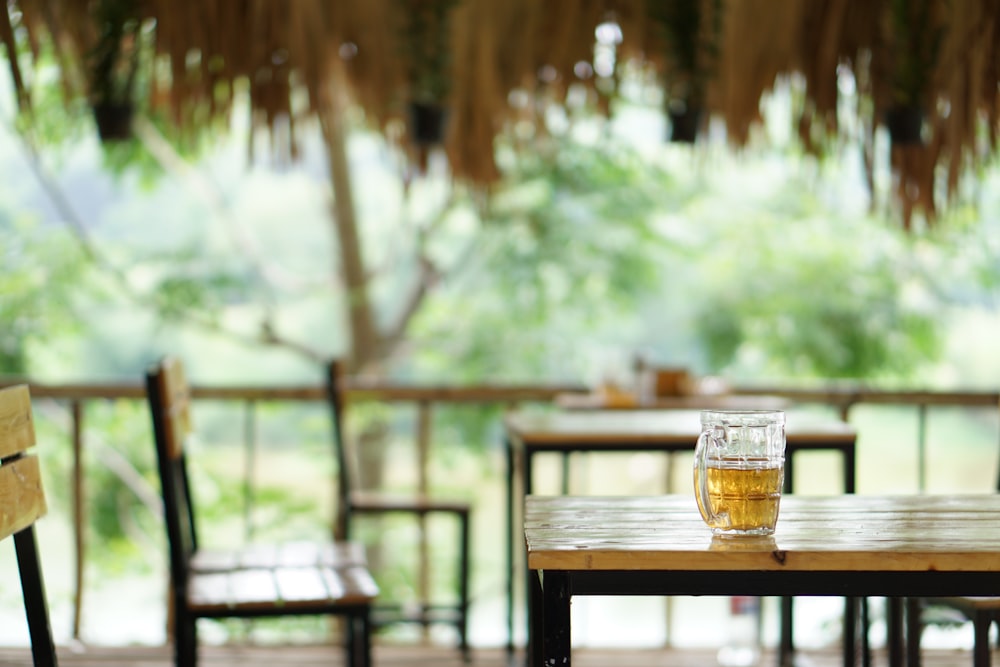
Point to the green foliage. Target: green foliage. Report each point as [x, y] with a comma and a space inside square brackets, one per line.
[815, 297]
[120, 455]
[566, 246]
[43, 274]
[190, 281]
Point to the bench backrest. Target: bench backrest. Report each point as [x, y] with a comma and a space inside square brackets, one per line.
[22, 502]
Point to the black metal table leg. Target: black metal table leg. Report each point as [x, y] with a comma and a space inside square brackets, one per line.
[556, 638]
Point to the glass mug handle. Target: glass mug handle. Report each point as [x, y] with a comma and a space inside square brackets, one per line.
[701, 479]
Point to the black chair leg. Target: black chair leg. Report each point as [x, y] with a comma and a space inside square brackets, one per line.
[981, 639]
[463, 592]
[35, 604]
[186, 642]
[362, 638]
[357, 638]
[914, 630]
[866, 649]
[351, 654]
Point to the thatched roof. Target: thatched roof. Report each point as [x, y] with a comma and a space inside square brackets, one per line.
[489, 61]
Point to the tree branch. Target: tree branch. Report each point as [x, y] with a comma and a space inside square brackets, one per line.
[72, 219]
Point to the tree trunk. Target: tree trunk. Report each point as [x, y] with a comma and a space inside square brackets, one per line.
[364, 343]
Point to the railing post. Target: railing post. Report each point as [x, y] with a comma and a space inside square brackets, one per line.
[922, 447]
[998, 462]
[424, 426]
[249, 466]
[76, 412]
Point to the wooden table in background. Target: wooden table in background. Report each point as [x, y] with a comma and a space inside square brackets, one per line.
[893, 546]
[567, 431]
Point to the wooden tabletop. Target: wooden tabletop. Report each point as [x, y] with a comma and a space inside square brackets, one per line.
[915, 533]
[629, 427]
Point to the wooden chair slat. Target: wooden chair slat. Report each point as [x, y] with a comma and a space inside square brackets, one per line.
[17, 428]
[253, 586]
[333, 582]
[262, 555]
[299, 554]
[22, 502]
[358, 583]
[342, 554]
[22, 499]
[297, 584]
[209, 589]
[974, 603]
[214, 560]
[366, 501]
[177, 406]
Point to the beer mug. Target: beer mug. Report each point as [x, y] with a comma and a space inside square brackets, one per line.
[739, 469]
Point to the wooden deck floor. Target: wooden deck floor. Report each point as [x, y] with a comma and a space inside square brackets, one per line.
[410, 656]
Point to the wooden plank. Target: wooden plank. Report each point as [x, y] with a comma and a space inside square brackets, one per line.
[298, 554]
[17, 428]
[333, 582]
[904, 534]
[282, 588]
[214, 560]
[342, 554]
[22, 499]
[290, 554]
[208, 590]
[358, 583]
[176, 405]
[420, 654]
[972, 602]
[259, 555]
[253, 587]
[301, 584]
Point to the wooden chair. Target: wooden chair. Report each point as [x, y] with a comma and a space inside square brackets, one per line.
[260, 580]
[982, 611]
[351, 501]
[22, 502]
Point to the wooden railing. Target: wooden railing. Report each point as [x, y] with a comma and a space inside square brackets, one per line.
[76, 396]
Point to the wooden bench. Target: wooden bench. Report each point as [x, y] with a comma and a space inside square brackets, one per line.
[258, 580]
[22, 502]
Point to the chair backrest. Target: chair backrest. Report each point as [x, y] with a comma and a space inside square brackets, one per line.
[23, 501]
[335, 399]
[170, 407]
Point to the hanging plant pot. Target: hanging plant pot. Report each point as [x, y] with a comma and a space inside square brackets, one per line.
[684, 124]
[114, 121]
[905, 125]
[428, 123]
